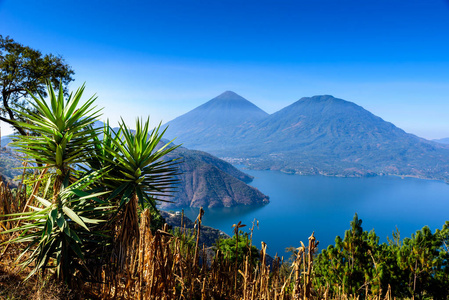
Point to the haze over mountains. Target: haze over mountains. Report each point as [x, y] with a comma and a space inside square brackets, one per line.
[315, 135]
[205, 180]
[442, 141]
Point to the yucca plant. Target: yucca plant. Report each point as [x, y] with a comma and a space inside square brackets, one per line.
[135, 164]
[56, 230]
[138, 175]
[63, 135]
[146, 176]
[102, 156]
[127, 165]
[59, 236]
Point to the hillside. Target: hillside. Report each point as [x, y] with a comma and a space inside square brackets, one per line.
[5, 140]
[329, 136]
[9, 164]
[211, 182]
[208, 236]
[442, 141]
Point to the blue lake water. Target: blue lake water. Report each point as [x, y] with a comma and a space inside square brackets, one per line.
[300, 205]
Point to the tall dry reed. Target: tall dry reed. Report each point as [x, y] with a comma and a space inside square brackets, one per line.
[166, 267]
[162, 265]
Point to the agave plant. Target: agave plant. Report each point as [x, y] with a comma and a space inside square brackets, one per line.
[136, 164]
[138, 175]
[103, 154]
[128, 165]
[145, 175]
[58, 236]
[63, 135]
[56, 230]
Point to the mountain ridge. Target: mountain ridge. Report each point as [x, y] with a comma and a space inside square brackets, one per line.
[442, 141]
[328, 136]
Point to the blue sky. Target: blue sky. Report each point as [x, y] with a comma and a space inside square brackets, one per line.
[164, 58]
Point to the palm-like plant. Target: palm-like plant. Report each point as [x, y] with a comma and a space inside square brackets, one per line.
[137, 175]
[56, 230]
[63, 133]
[145, 175]
[128, 165]
[135, 164]
[58, 236]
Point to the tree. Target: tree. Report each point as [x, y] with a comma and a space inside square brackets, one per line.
[238, 247]
[352, 264]
[25, 69]
[425, 258]
[358, 265]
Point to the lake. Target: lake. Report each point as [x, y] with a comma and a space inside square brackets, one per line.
[300, 205]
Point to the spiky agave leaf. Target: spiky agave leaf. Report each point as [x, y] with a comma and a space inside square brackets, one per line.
[139, 160]
[60, 229]
[57, 233]
[137, 175]
[135, 163]
[62, 135]
[103, 156]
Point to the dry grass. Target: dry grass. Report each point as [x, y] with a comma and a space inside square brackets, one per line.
[12, 284]
[164, 266]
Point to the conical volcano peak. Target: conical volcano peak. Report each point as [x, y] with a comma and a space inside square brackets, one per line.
[232, 103]
[216, 120]
[229, 96]
[320, 134]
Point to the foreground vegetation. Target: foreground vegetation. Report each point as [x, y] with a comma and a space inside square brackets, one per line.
[173, 265]
[408, 268]
[85, 225]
